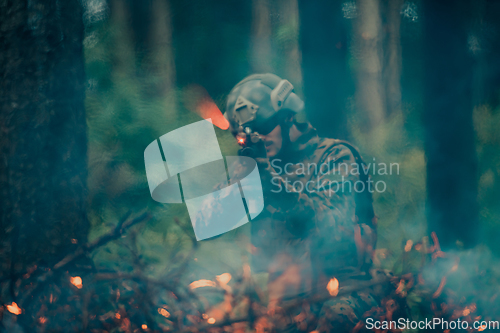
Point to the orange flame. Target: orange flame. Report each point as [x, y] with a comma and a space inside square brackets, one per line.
[409, 245]
[208, 109]
[13, 308]
[76, 281]
[164, 312]
[197, 100]
[440, 288]
[211, 321]
[224, 278]
[246, 271]
[144, 326]
[333, 287]
[401, 285]
[202, 283]
[455, 266]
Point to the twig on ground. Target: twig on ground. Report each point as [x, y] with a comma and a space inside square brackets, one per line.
[116, 233]
[289, 305]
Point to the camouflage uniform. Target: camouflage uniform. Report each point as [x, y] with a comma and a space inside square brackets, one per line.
[337, 227]
[333, 230]
[306, 229]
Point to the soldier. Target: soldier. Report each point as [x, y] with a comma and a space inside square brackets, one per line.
[318, 222]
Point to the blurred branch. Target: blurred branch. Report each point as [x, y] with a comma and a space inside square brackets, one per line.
[120, 228]
[316, 298]
[116, 233]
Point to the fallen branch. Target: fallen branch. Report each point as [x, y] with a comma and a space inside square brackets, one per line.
[290, 305]
[116, 233]
[120, 228]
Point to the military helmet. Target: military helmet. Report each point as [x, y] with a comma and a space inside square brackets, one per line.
[259, 102]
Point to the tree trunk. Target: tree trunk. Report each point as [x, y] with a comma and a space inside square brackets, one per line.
[44, 133]
[450, 140]
[370, 99]
[392, 63]
[261, 58]
[124, 59]
[327, 81]
[287, 31]
[160, 48]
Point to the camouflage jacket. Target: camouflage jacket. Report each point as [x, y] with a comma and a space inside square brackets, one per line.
[317, 207]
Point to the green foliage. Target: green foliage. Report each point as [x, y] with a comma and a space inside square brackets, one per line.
[401, 207]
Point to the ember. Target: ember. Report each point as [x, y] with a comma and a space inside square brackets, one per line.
[42, 320]
[211, 321]
[76, 281]
[144, 327]
[409, 245]
[164, 312]
[224, 278]
[13, 308]
[202, 283]
[333, 287]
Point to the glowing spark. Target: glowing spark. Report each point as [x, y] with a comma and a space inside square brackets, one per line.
[144, 326]
[202, 283]
[333, 287]
[400, 287]
[13, 308]
[209, 110]
[211, 321]
[409, 245]
[42, 320]
[440, 288]
[76, 281]
[197, 100]
[223, 279]
[455, 266]
[164, 312]
[246, 271]
[241, 140]
[117, 316]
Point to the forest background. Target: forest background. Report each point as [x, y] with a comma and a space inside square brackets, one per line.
[410, 82]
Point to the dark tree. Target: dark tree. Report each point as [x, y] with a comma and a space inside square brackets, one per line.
[211, 45]
[44, 133]
[326, 76]
[450, 140]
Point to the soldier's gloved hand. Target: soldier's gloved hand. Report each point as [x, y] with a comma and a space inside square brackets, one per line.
[256, 147]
